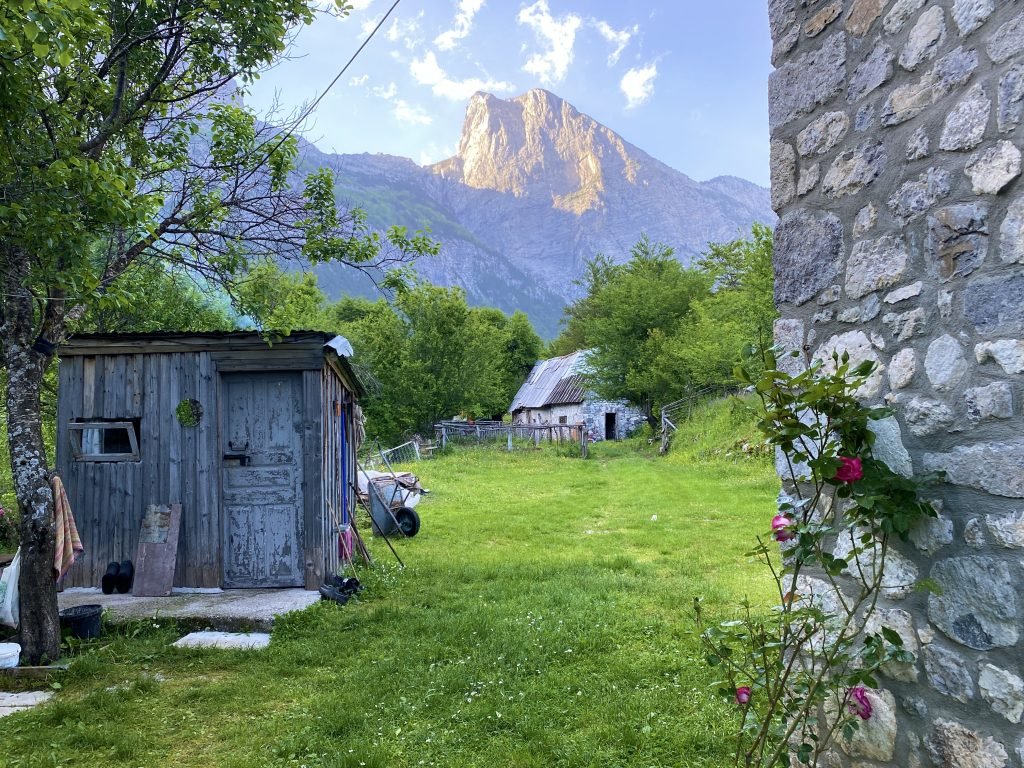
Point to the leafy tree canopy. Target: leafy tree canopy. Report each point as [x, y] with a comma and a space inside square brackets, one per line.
[123, 142]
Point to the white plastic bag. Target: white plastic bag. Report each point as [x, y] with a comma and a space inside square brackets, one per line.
[9, 593]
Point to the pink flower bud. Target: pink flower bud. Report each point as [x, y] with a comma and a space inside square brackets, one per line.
[743, 695]
[851, 469]
[859, 703]
[780, 524]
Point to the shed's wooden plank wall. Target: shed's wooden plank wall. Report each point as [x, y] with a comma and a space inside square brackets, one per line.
[177, 463]
[180, 465]
[338, 473]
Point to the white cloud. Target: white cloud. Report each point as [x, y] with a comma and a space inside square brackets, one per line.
[369, 25]
[638, 85]
[463, 25]
[359, 81]
[406, 31]
[360, 5]
[427, 71]
[618, 37]
[557, 36]
[412, 114]
[386, 93]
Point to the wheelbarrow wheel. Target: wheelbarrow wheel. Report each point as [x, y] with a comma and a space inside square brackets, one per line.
[408, 521]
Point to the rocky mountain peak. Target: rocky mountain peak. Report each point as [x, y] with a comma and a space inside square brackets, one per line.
[538, 145]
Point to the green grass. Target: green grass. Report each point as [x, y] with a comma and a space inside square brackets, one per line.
[544, 620]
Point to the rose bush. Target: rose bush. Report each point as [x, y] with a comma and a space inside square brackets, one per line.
[800, 673]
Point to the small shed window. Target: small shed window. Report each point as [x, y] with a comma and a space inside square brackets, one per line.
[563, 419]
[105, 439]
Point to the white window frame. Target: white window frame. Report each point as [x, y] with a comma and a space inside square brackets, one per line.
[76, 430]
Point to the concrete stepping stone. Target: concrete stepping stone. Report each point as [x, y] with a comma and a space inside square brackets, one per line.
[243, 640]
[17, 702]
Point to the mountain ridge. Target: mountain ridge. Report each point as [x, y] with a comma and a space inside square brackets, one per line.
[536, 189]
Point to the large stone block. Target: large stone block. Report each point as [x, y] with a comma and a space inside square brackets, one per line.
[932, 533]
[925, 416]
[1011, 234]
[978, 605]
[916, 197]
[820, 20]
[807, 254]
[783, 174]
[945, 363]
[876, 264]
[875, 738]
[1007, 530]
[789, 338]
[822, 134]
[965, 124]
[797, 87]
[947, 672]
[992, 169]
[1007, 353]
[996, 305]
[855, 169]
[899, 14]
[871, 73]
[1003, 690]
[926, 37]
[992, 402]
[862, 15]
[971, 14]
[993, 467]
[952, 745]
[889, 447]
[781, 15]
[860, 349]
[1007, 41]
[902, 368]
[905, 325]
[1011, 99]
[898, 574]
[902, 623]
[911, 99]
[957, 239]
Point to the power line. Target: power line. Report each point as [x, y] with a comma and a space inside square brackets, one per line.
[316, 102]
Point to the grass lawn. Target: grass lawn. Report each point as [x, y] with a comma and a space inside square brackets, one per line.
[544, 620]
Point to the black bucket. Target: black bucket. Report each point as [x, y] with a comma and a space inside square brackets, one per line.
[82, 621]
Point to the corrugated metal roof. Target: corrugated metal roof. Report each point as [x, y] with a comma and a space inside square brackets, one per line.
[556, 381]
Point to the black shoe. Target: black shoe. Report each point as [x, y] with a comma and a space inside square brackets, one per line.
[125, 577]
[347, 586]
[327, 592]
[109, 579]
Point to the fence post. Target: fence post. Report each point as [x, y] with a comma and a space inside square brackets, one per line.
[510, 440]
[444, 437]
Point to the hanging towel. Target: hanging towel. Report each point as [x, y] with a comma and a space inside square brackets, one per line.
[69, 545]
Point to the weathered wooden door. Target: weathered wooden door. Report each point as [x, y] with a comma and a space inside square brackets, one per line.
[261, 479]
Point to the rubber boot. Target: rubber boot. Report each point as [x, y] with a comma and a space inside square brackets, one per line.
[125, 577]
[109, 580]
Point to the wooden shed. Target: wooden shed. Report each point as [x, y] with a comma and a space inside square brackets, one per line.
[256, 441]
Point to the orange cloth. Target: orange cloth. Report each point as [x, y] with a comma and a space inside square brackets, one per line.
[69, 544]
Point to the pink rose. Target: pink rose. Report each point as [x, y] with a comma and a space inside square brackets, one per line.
[743, 695]
[850, 470]
[859, 703]
[780, 524]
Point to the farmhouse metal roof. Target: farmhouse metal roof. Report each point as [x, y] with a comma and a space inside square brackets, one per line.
[556, 381]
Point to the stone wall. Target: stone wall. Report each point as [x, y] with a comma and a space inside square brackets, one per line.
[627, 418]
[896, 157]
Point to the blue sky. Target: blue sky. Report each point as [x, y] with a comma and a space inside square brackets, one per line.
[684, 80]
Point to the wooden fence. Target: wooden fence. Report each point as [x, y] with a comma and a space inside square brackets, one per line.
[496, 432]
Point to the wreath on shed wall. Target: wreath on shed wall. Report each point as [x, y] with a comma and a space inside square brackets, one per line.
[189, 412]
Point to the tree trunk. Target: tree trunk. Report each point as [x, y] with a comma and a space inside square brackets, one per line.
[40, 626]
